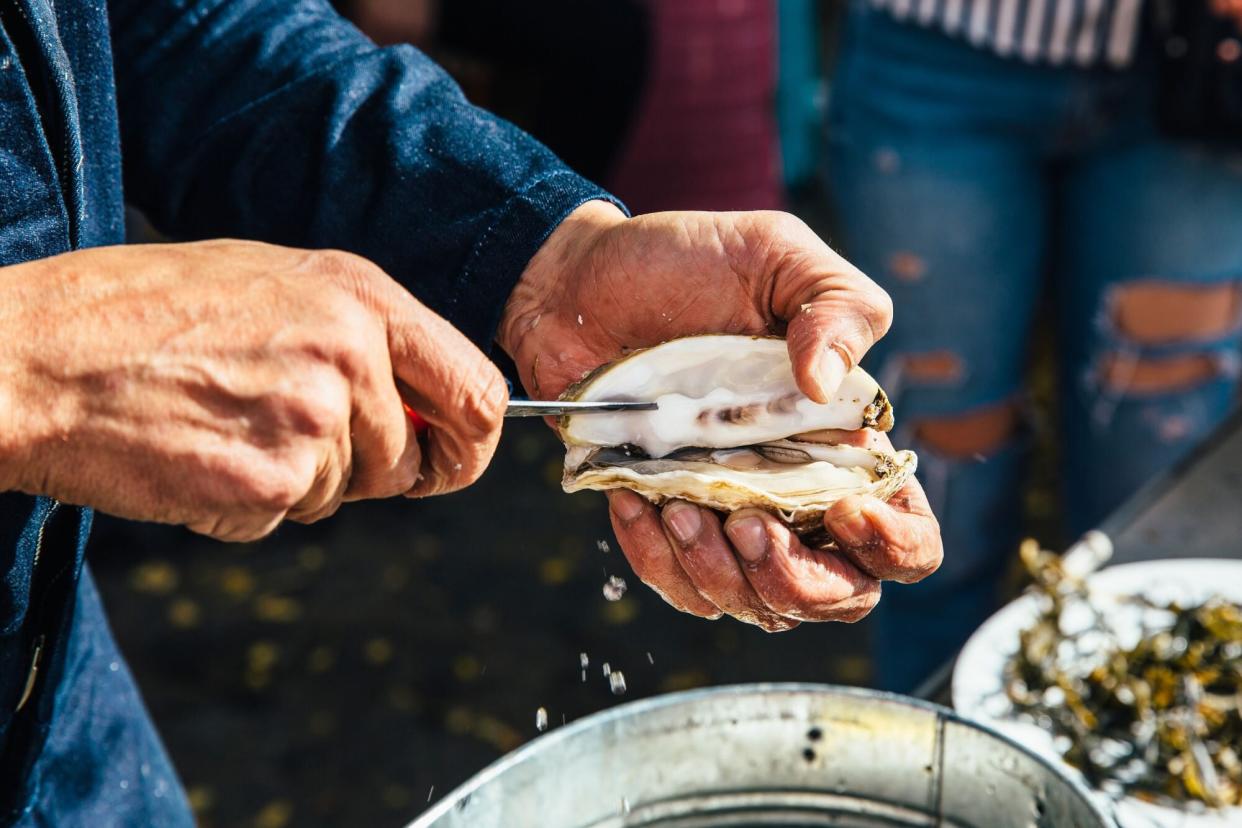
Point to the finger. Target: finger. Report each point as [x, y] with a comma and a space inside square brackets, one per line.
[794, 581]
[327, 491]
[708, 560]
[238, 528]
[835, 313]
[862, 438]
[452, 385]
[642, 539]
[897, 541]
[317, 466]
[894, 541]
[385, 450]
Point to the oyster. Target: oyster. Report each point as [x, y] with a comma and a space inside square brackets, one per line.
[725, 434]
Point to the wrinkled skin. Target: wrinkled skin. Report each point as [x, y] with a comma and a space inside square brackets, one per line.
[603, 284]
[229, 385]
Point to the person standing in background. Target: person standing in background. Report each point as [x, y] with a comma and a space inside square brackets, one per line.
[982, 153]
[668, 104]
[705, 137]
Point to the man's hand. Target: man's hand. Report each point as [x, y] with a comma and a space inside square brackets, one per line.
[229, 385]
[603, 284]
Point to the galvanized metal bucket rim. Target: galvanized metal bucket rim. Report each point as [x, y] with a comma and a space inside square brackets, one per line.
[548, 741]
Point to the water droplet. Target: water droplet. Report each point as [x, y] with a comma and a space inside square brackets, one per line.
[583, 661]
[607, 669]
[579, 319]
[125, 784]
[625, 805]
[541, 719]
[616, 681]
[432, 789]
[114, 666]
[650, 660]
[603, 546]
[614, 588]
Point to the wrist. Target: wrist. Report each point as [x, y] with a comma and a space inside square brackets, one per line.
[26, 407]
[543, 282]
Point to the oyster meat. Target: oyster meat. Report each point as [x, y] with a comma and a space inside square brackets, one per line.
[726, 432]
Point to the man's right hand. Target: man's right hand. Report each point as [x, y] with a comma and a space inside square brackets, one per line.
[229, 385]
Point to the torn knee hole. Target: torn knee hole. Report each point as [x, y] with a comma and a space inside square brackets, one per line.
[1160, 313]
[1145, 375]
[981, 431]
[906, 266]
[933, 367]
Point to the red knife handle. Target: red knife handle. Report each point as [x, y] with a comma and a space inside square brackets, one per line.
[420, 425]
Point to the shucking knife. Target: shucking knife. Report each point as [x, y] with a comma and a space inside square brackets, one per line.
[547, 408]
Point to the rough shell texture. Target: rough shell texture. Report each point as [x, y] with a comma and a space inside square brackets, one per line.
[727, 405]
[799, 491]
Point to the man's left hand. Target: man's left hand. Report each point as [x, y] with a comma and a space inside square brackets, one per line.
[603, 284]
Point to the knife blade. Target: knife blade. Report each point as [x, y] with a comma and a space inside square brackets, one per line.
[547, 408]
[555, 408]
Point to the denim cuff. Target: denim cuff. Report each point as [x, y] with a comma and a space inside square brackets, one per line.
[501, 254]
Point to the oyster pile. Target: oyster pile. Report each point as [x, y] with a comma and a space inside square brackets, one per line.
[726, 435]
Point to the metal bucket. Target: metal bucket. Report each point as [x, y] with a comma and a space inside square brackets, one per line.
[762, 755]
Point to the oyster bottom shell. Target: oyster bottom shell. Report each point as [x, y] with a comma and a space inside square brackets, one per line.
[800, 492]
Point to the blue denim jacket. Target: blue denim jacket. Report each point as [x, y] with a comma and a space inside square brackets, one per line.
[264, 119]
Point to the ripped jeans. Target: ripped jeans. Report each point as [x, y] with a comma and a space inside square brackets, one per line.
[971, 187]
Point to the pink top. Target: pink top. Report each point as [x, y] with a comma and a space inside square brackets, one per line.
[705, 135]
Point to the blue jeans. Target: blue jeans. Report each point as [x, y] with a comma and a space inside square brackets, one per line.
[971, 187]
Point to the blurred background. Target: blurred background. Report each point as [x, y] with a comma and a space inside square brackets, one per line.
[352, 672]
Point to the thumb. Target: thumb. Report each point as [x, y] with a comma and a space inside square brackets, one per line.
[834, 314]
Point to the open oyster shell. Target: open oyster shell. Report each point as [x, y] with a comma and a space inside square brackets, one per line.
[725, 432]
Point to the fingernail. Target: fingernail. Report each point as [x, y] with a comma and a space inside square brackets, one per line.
[684, 521]
[830, 372]
[626, 505]
[750, 538]
[852, 528]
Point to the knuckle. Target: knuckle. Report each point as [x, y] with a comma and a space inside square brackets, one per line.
[276, 489]
[859, 609]
[397, 476]
[786, 226]
[341, 267]
[262, 528]
[481, 397]
[355, 338]
[781, 600]
[317, 408]
[402, 476]
[882, 311]
[921, 569]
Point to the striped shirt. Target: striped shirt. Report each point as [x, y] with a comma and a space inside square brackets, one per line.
[1078, 32]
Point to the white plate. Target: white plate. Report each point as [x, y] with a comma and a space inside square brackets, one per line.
[978, 678]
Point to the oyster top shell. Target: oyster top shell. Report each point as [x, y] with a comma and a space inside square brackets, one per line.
[715, 391]
[725, 435]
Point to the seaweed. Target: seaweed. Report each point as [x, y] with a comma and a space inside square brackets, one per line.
[1160, 720]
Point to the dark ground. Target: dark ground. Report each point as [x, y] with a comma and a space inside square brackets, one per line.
[331, 675]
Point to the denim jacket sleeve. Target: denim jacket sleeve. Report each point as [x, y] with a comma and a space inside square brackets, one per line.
[277, 120]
